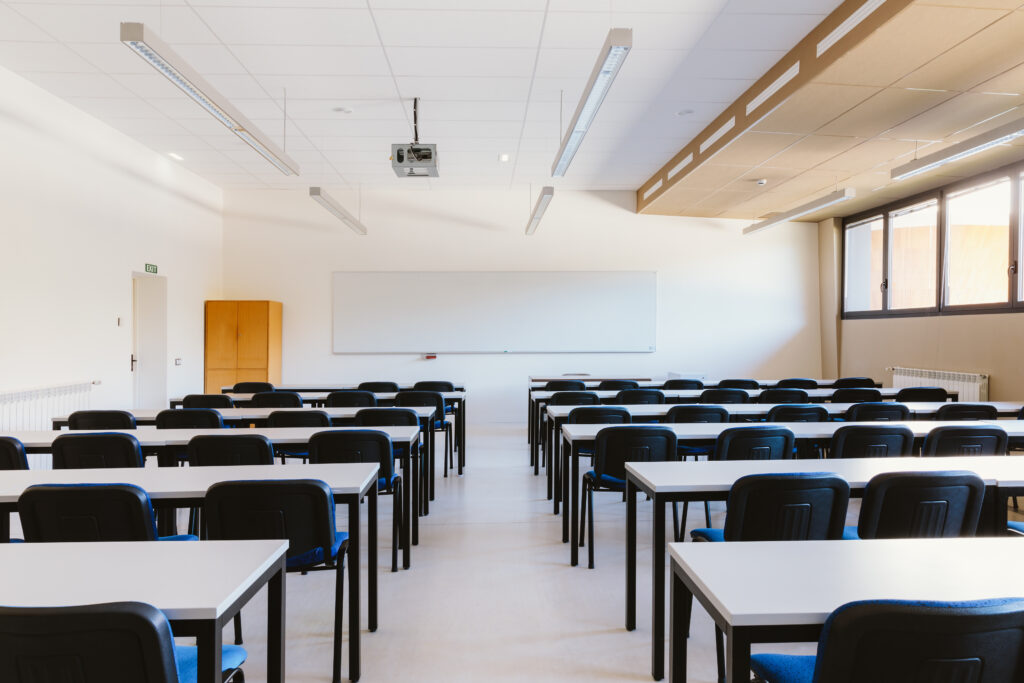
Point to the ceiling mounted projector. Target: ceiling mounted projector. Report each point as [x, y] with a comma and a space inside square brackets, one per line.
[414, 160]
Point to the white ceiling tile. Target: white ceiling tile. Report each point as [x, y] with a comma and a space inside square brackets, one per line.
[377, 110]
[180, 144]
[567, 63]
[472, 111]
[150, 85]
[13, 26]
[101, 23]
[459, 29]
[236, 86]
[476, 129]
[290, 25]
[264, 108]
[821, 7]
[479, 5]
[759, 31]
[339, 89]
[724, 90]
[312, 60]
[751, 64]
[469, 89]
[42, 57]
[161, 126]
[117, 107]
[209, 59]
[324, 128]
[112, 58]
[462, 62]
[79, 85]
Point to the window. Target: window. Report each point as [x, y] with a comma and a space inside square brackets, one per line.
[862, 268]
[977, 245]
[913, 253]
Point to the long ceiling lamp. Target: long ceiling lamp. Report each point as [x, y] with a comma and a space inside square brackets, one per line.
[803, 210]
[161, 57]
[961, 150]
[546, 193]
[328, 202]
[613, 54]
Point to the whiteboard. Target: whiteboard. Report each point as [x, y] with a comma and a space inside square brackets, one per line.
[495, 312]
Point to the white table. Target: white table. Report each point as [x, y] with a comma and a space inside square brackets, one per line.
[667, 482]
[326, 386]
[147, 416]
[198, 586]
[186, 487]
[794, 585]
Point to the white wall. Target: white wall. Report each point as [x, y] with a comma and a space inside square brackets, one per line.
[82, 207]
[728, 304]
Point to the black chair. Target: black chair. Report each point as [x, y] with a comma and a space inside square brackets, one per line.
[639, 397]
[366, 445]
[966, 440]
[432, 399]
[856, 395]
[387, 417]
[927, 394]
[565, 385]
[596, 415]
[869, 441]
[251, 387]
[683, 384]
[795, 412]
[797, 383]
[12, 454]
[720, 396]
[299, 510]
[71, 513]
[230, 449]
[434, 385]
[702, 413]
[896, 640]
[920, 505]
[207, 401]
[696, 413]
[783, 396]
[739, 384]
[613, 448]
[101, 419]
[574, 398]
[877, 412]
[90, 451]
[189, 418]
[756, 442]
[854, 382]
[114, 642]
[617, 384]
[277, 399]
[296, 418]
[379, 387]
[351, 398]
[966, 411]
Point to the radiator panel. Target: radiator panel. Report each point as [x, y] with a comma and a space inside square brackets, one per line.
[972, 386]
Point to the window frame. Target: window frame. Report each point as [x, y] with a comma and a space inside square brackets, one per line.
[1015, 302]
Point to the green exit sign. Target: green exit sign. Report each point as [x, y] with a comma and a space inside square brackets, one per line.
[150, 268]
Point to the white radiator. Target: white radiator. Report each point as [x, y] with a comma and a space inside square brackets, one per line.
[972, 386]
[35, 408]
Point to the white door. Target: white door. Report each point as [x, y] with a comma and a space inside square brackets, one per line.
[149, 341]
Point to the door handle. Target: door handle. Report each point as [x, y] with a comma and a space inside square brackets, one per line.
[134, 361]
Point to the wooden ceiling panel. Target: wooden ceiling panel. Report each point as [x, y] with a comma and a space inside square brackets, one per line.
[723, 200]
[980, 4]
[867, 155]
[887, 109]
[964, 111]
[813, 106]
[812, 149]
[755, 148]
[810, 182]
[1011, 81]
[713, 176]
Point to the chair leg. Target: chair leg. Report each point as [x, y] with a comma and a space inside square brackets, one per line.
[707, 514]
[583, 511]
[396, 523]
[445, 460]
[590, 529]
[720, 654]
[682, 522]
[339, 610]
[238, 628]
[675, 520]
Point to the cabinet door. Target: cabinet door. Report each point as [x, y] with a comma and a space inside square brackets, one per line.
[221, 334]
[252, 334]
[217, 379]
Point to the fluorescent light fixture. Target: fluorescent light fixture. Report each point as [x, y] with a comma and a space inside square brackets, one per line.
[546, 193]
[161, 57]
[961, 150]
[809, 207]
[328, 202]
[176, 156]
[851, 22]
[614, 52]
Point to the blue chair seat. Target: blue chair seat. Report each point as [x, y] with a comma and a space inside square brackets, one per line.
[1016, 526]
[179, 537]
[187, 659]
[712, 535]
[382, 483]
[607, 482]
[784, 668]
[313, 557]
[850, 533]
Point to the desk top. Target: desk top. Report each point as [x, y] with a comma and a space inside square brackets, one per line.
[649, 383]
[326, 386]
[322, 396]
[652, 410]
[887, 393]
[149, 414]
[801, 582]
[219, 572]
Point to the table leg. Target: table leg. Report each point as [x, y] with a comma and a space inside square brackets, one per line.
[630, 555]
[430, 443]
[738, 656]
[417, 496]
[408, 501]
[573, 502]
[276, 627]
[371, 553]
[460, 428]
[658, 591]
[680, 608]
[208, 643]
[549, 451]
[529, 423]
[354, 622]
[563, 479]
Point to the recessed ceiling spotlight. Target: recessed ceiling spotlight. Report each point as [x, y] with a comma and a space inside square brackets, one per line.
[684, 112]
[761, 181]
[503, 158]
[342, 110]
[176, 157]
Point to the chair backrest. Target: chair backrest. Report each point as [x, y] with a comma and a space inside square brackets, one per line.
[351, 398]
[251, 387]
[796, 412]
[114, 642]
[617, 384]
[856, 395]
[724, 396]
[683, 384]
[754, 443]
[230, 449]
[696, 413]
[966, 411]
[596, 415]
[923, 642]
[565, 385]
[808, 506]
[67, 513]
[966, 440]
[277, 399]
[739, 384]
[797, 383]
[783, 396]
[299, 510]
[379, 387]
[208, 401]
[387, 417]
[12, 454]
[922, 394]
[434, 385]
[640, 397]
[574, 398]
[354, 445]
[615, 446]
[101, 419]
[189, 418]
[869, 441]
[298, 418]
[921, 505]
[90, 451]
[415, 398]
[878, 411]
[854, 382]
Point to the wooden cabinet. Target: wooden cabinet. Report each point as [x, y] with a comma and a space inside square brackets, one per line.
[243, 343]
